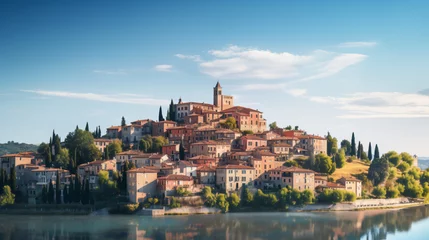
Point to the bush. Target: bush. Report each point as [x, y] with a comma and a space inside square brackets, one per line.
[291, 163]
[379, 192]
[234, 201]
[182, 192]
[392, 192]
[174, 203]
[124, 209]
[222, 203]
[332, 196]
[403, 166]
[349, 197]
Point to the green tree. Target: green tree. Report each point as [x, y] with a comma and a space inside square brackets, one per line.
[48, 162]
[393, 157]
[378, 171]
[51, 193]
[358, 154]
[337, 196]
[123, 122]
[87, 127]
[44, 194]
[332, 144]
[246, 196]
[172, 111]
[392, 192]
[157, 143]
[307, 197]
[353, 146]
[230, 123]
[7, 197]
[296, 128]
[323, 164]
[273, 125]
[43, 150]
[114, 148]
[83, 143]
[247, 132]
[424, 178]
[340, 158]
[58, 189]
[379, 192]
[370, 152]
[160, 116]
[12, 180]
[288, 127]
[63, 159]
[234, 201]
[349, 197]
[345, 144]
[222, 203]
[406, 157]
[403, 166]
[376, 152]
[181, 151]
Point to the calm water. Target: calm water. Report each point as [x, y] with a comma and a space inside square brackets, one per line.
[409, 224]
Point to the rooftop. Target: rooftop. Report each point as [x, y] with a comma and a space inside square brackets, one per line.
[231, 166]
[176, 177]
[143, 170]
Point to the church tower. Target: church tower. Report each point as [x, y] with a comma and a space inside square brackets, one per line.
[217, 95]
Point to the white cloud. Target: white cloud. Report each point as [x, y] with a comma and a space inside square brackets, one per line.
[379, 105]
[195, 58]
[297, 92]
[163, 68]
[236, 62]
[357, 44]
[261, 86]
[335, 65]
[111, 72]
[101, 97]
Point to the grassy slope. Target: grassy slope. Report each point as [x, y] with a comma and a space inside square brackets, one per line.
[354, 167]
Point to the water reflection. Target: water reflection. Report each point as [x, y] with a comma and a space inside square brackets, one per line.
[342, 225]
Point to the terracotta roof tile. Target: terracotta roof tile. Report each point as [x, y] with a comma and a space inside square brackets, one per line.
[176, 177]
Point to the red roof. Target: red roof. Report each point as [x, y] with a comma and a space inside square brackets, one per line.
[201, 157]
[231, 166]
[206, 169]
[240, 109]
[176, 177]
[293, 169]
[142, 170]
[252, 137]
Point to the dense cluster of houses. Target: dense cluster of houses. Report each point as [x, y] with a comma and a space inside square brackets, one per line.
[213, 156]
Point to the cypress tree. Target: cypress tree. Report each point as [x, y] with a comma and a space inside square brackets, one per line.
[76, 194]
[58, 189]
[44, 195]
[1, 180]
[370, 152]
[160, 117]
[167, 117]
[353, 150]
[51, 193]
[87, 127]
[181, 152]
[77, 128]
[172, 111]
[48, 162]
[359, 153]
[12, 180]
[123, 123]
[87, 192]
[376, 152]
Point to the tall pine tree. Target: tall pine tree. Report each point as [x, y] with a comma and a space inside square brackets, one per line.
[370, 152]
[359, 153]
[58, 189]
[87, 127]
[12, 180]
[353, 150]
[172, 111]
[181, 151]
[376, 152]
[123, 122]
[160, 116]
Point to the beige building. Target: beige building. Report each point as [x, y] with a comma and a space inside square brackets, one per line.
[233, 177]
[263, 162]
[298, 178]
[352, 185]
[90, 170]
[160, 128]
[206, 175]
[102, 143]
[247, 118]
[210, 148]
[312, 144]
[250, 142]
[141, 184]
[12, 160]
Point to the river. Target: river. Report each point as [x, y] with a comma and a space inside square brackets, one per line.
[412, 223]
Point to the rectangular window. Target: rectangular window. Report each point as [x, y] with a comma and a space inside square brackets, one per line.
[243, 179]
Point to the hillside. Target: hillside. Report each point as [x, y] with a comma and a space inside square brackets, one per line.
[349, 169]
[14, 147]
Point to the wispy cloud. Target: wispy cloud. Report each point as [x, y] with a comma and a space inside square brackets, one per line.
[262, 86]
[163, 68]
[357, 44]
[236, 62]
[100, 97]
[297, 92]
[111, 72]
[195, 58]
[379, 105]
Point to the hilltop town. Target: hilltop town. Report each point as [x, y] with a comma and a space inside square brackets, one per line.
[200, 149]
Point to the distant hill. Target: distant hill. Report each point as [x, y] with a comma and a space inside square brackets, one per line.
[14, 147]
[423, 162]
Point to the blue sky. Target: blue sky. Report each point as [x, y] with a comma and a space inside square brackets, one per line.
[323, 65]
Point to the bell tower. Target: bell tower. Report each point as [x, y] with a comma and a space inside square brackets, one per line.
[217, 95]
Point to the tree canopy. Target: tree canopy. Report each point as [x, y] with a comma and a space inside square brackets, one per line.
[83, 143]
